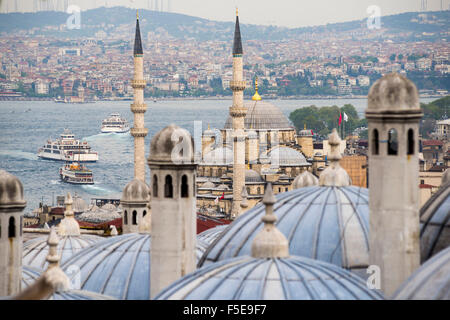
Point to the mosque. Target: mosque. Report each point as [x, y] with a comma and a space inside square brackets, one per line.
[316, 241]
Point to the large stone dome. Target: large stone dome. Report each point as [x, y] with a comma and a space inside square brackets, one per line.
[248, 278]
[430, 282]
[285, 156]
[324, 223]
[263, 116]
[221, 156]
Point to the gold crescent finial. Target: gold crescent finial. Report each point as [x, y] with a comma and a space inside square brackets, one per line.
[256, 97]
[304, 127]
[208, 126]
[137, 14]
[237, 11]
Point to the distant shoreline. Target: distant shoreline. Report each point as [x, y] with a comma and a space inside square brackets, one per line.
[214, 98]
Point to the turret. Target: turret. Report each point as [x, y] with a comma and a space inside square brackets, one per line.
[135, 197]
[393, 115]
[173, 203]
[12, 204]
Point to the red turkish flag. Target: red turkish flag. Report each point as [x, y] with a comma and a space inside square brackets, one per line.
[340, 119]
[222, 197]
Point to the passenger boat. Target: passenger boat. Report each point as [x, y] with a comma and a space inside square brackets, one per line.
[76, 173]
[67, 148]
[115, 124]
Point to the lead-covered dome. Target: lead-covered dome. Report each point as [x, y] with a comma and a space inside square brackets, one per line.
[285, 156]
[136, 191]
[324, 223]
[221, 156]
[430, 282]
[118, 266]
[11, 192]
[393, 93]
[172, 144]
[248, 278]
[435, 222]
[305, 179]
[251, 176]
[262, 116]
[35, 251]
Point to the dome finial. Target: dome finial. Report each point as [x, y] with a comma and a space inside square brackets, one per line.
[256, 97]
[237, 12]
[52, 241]
[69, 226]
[137, 14]
[270, 242]
[244, 195]
[304, 126]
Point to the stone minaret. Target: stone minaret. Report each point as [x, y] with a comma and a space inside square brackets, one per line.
[173, 202]
[238, 113]
[12, 204]
[393, 114]
[139, 132]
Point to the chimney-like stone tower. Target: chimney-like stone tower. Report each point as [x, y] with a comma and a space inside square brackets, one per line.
[238, 113]
[12, 204]
[173, 203]
[393, 114]
[139, 132]
[135, 198]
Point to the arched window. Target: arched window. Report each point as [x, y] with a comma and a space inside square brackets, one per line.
[375, 142]
[411, 142]
[184, 187]
[12, 228]
[392, 142]
[125, 217]
[155, 186]
[168, 188]
[219, 172]
[21, 224]
[144, 213]
[259, 190]
[248, 190]
[134, 217]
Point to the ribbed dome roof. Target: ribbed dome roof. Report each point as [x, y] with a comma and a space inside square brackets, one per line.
[208, 236]
[430, 282]
[118, 266]
[164, 146]
[136, 191]
[31, 274]
[35, 250]
[435, 223]
[253, 176]
[208, 185]
[248, 278]
[285, 156]
[262, 116]
[324, 223]
[219, 156]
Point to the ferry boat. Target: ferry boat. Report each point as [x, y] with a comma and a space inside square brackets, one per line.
[67, 148]
[115, 123]
[76, 173]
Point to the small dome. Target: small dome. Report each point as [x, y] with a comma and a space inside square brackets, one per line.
[209, 133]
[117, 266]
[337, 177]
[285, 156]
[252, 134]
[435, 223]
[208, 185]
[210, 235]
[393, 93]
[223, 187]
[248, 278]
[35, 251]
[305, 133]
[305, 179]
[324, 223]
[251, 176]
[430, 282]
[172, 144]
[135, 191]
[262, 115]
[219, 156]
[11, 191]
[79, 205]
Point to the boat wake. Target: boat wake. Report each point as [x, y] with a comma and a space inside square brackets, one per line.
[55, 182]
[96, 190]
[19, 154]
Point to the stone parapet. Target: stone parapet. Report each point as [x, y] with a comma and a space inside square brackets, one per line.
[139, 132]
[138, 84]
[138, 107]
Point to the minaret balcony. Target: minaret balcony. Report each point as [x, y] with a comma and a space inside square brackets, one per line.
[238, 112]
[138, 107]
[139, 132]
[138, 84]
[237, 85]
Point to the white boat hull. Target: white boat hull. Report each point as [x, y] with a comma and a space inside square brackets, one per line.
[87, 157]
[115, 130]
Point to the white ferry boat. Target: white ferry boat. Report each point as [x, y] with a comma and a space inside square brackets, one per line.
[75, 173]
[115, 123]
[67, 148]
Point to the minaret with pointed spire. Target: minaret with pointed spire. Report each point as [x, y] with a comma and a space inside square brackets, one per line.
[139, 132]
[238, 113]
